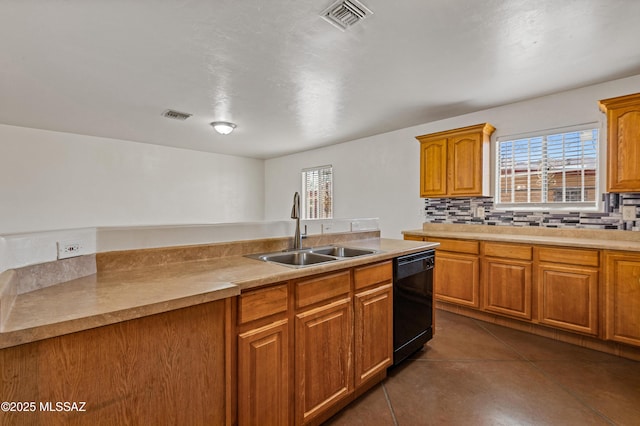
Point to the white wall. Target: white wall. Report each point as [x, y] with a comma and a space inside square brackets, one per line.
[378, 176]
[52, 180]
[17, 250]
[373, 177]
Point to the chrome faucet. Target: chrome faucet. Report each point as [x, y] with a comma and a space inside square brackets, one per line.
[295, 214]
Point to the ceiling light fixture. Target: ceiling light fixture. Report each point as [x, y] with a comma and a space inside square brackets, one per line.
[223, 127]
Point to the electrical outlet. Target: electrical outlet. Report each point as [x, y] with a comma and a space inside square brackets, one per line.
[480, 212]
[68, 249]
[628, 212]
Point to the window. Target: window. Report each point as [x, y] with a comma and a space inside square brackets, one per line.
[549, 170]
[317, 193]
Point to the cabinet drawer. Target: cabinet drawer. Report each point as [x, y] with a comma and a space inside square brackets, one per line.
[314, 290]
[373, 274]
[261, 303]
[508, 251]
[459, 246]
[570, 256]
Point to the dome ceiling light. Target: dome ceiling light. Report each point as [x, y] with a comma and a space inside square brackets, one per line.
[223, 127]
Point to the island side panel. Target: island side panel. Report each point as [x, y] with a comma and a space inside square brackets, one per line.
[164, 368]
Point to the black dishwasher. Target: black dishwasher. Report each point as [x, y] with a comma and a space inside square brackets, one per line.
[412, 303]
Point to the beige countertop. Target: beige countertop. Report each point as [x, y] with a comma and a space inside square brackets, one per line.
[108, 297]
[584, 238]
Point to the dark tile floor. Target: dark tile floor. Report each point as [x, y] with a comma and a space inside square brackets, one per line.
[476, 373]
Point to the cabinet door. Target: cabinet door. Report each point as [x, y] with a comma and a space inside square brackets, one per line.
[263, 375]
[623, 167]
[373, 332]
[323, 353]
[456, 278]
[623, 298]
[507, 287]
[433, 168]
[568, 297]
[465, 164]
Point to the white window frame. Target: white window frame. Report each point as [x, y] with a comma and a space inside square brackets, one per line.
[314, 207]
[591, 206]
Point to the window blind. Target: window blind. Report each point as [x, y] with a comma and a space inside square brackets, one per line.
[554, 169]
[317, 189]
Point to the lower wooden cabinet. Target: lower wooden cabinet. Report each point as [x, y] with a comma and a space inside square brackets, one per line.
[306, 347]
[567, 281]
[263, 375]
[456, 277]
[373, 325]
[323, 351]
[506, 279]
[263, 357]
[622, 292]
[592, 292]
[507, 287]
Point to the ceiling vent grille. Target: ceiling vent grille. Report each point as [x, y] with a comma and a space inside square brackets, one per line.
[345, 13]
[176, 115]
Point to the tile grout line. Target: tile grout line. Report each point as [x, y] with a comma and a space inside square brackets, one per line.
[386, 396]
[545, 374]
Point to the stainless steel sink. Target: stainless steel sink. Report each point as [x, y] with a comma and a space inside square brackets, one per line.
[312, 256]
[298, 258]
[342, 251]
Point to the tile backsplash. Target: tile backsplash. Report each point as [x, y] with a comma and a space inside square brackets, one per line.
[466, 210]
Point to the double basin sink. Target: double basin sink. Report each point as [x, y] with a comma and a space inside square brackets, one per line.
[312, 256]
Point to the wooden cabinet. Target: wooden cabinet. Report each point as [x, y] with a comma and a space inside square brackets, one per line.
[373, 322]
[567, 281]
[622, 292]
[507, 279]
[456, 277]
[433, 167]
[307, 347]
[263, 375]
[452, 163]
[323, 344]
[578, 295]
[168, 368]
[623, 138]
[263, 357]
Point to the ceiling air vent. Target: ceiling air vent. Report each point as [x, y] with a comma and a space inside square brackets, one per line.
[176, 115]
[345, 13]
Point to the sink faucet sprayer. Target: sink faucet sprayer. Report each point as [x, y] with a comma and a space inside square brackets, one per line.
[295, 214]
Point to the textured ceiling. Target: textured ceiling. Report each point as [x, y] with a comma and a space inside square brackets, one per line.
[290, 80]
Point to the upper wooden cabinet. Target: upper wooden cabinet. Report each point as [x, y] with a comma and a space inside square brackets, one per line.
[452, 163]
[623, 134]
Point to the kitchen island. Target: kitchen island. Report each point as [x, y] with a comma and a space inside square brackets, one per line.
[158, 335]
